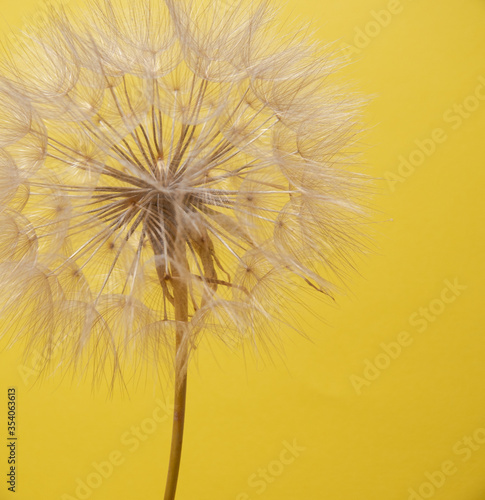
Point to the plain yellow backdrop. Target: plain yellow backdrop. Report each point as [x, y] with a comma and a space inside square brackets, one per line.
[389, 397]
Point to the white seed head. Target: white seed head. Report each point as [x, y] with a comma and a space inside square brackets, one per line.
[136, 132]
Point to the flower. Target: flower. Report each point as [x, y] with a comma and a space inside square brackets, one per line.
[169, 169]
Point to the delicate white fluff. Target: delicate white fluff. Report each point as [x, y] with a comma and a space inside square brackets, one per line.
[140, 129]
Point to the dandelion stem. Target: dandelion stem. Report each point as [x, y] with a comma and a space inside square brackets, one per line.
[180, 295]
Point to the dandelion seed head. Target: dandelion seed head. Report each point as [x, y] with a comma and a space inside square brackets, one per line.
[141, 131]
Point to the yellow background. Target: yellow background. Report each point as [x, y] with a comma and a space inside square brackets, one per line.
[414, 416]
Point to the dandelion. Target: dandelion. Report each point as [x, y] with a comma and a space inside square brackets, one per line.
[169, 169]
